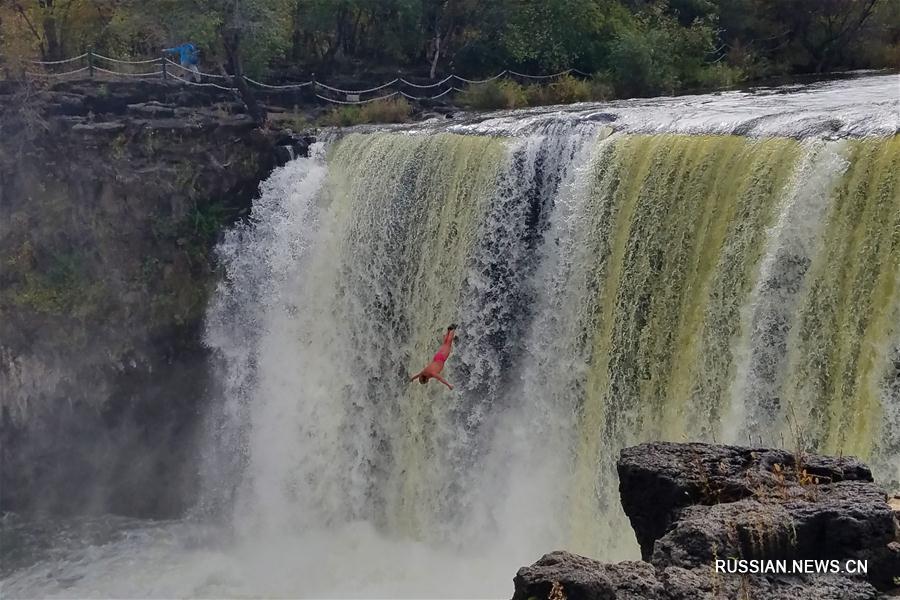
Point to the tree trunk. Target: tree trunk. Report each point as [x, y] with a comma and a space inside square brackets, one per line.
[51, 36]
[232, 50]
[437, 53]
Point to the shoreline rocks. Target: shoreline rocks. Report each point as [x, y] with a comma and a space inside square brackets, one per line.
[693, 504]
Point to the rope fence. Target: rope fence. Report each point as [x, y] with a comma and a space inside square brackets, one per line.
[198, 78]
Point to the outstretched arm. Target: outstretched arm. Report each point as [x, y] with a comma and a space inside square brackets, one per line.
[444, 381]
[416, 376]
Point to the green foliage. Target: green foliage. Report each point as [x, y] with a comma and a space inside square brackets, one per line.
[552, 35]
[655, 54]
[391, 110]
[294, 120]
[205, 221]
[53, 285]
[493, 95]
[719, 75]
[639, 46]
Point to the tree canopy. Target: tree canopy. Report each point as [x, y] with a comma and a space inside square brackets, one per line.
[638, 46]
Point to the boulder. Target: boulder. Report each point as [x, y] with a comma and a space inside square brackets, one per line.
[848, 519]
[694, 504]
[703, 583]
[582, 578]
[658, 479]
[562, 575]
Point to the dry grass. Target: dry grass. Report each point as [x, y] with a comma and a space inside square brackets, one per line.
[392, 110]
[493, 95]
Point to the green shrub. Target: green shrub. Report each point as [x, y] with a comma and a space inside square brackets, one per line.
[493, 95]
[719, 75]
[565, 90]
[392, 110]
[639, 65]
[341, 116]
[294, 120]
[654, 54]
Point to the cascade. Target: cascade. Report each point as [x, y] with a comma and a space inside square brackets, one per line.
[610, 288]
[720, 267]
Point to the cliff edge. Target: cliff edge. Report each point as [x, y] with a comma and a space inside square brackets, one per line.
[113, 197]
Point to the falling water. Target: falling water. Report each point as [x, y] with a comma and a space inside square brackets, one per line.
[612, 283]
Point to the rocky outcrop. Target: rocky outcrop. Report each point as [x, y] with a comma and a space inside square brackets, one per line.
[841, 521]
[657, 480]
[112, 201]
[693, 504]
[580, 577]
[562, 575]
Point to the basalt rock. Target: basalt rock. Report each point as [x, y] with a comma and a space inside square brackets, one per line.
[582, 578]
[657, 479]
[563, 575]
[846, 520]
[693, 504]
[113, 196]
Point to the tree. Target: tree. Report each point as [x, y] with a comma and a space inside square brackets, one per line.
[652, 53]
[242, 19]
[551, 35]
[239, 35]
[443, 21]
[53, 23]
[824, 29]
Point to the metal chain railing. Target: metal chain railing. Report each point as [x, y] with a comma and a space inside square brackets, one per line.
[187, 76]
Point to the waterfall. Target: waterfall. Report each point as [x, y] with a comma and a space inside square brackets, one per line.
[721, 267]
[610, 288]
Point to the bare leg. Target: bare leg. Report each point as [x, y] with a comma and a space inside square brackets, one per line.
[450, 336]
[448, 343]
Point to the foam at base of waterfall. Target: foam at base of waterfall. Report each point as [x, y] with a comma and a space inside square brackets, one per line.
[353, 560]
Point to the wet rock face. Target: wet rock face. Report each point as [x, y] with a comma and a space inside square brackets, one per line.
[691, 504]
[112, 205]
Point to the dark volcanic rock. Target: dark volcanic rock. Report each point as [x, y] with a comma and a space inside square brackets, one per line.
[704, 584]
[112, 203]
[657, 479]
[564, 575]
[694, 504]
[583, 578]
[152, 109]
[849, 519]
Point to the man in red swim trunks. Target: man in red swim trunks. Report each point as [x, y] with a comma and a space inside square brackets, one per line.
[437, 363]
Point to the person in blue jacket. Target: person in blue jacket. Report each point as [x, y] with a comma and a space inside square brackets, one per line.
[187, 58]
